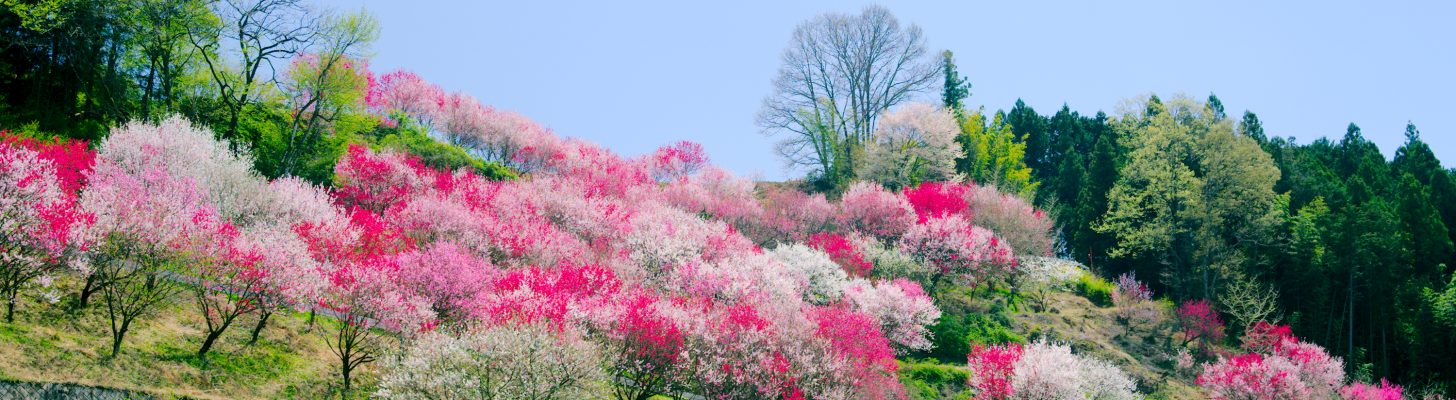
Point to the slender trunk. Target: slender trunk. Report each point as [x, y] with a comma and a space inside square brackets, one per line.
[312, 312]
[86, 291]
[10, 309]
[117, 336]
[258, 329]
[1350, 303]
[212, 338]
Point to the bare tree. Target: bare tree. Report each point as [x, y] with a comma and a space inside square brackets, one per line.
[327, 82]
[262, 31]
[838, 74]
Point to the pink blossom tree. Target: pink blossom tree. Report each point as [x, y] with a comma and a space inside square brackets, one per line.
[677, 161]
[844, 252]
[1288, 369]
[407, 92]
[867, 207]
[992, 369]
[645, 348]
[959, 250]
[1027, 229]
[1201, 324]
[903, 309]
[1384, 391]
[448, 277]
[38, 184]
[139, 220]
[936, 199]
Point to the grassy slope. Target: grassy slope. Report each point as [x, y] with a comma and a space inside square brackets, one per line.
[48, 344]
[1095, 331]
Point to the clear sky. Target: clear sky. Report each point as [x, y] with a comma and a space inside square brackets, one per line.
[634, 76]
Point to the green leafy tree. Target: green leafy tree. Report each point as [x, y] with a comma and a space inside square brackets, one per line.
[991, 155]
[1192, 196]
[956, 89]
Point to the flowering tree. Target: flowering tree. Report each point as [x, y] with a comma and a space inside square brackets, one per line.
[992, 369]
[903, 309]
[862, 360]
[1201, 323]
[912, 144]
[1027, 229]
[504, 362]
[867, 207]
[790, 214]
[138, 220]
[935, 199]
[843, 251]
[1287, 369]
[448, 277]
[645, 348]
[1045, 371]
[37, 211]
[362, 296]
[823, 280]
[677, 161]
[407, 92]
[228, 277]
[1384, 391]
[959, 250]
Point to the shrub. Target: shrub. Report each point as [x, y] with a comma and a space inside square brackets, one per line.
[1096, 289]
[931, 380]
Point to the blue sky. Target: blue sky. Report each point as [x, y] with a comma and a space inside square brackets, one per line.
[634, 76]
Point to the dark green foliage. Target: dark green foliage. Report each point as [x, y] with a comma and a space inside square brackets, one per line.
[1360, 255]
[955, 89]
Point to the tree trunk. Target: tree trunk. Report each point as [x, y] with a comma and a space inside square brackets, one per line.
[209, 341]
[258, 329]
[87, 290]
[116, 337]
[10, 309]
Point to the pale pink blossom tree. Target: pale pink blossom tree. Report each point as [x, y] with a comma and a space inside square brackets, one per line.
[903, 309]
[959, 250]
[867, 207]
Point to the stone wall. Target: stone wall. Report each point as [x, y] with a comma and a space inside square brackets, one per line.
[63, 391]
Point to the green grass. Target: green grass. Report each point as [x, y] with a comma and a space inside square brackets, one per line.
[55, 343]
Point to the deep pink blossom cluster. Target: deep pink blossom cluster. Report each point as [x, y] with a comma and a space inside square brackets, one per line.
[1279, 365]
[38, 211]
[1201, 324]
[992, 368]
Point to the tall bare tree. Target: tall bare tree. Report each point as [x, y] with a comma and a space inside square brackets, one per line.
[260, 32]
[327, 82]
[839, 73]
